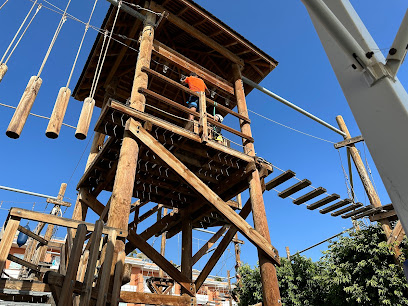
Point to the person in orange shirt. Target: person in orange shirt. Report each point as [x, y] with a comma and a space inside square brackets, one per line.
[195, 84]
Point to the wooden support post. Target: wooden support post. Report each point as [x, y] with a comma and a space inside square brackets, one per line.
[72, 269]
[229, 288]
[287, 253]
[204, 249]
[24, 107]
[7, 240]
[58, 113]
[187, 250]
[270, 287]
[237, 253]
[365, 179]
[3, 71]
[163, 243]
[117, 281]
[203, 117]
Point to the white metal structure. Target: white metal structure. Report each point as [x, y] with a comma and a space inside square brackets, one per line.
[376, 97]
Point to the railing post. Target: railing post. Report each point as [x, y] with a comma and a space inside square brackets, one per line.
[203, 117]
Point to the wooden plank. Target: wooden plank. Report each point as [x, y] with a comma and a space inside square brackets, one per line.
[58, 202]
[118, 274]
[203, 250]
[156, 299]
[7, 239]
[295, 188]
[188, 65]
[364, 214]
[285, 176]
[72, 269]
[383, 215]
[91, 201]
[324, 201]
[23, 263]
[335, 206]
[191, 179]
[346, 209]
[85, 297]
[230, 129]
[32, 235]
[24, 285]
[163, 263]
[106, 273]
[348, 142]
[51, 219]
[310, 195]
[397, 234]
[356, 212]
[189, 91]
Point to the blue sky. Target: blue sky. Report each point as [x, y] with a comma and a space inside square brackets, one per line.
[304, 76]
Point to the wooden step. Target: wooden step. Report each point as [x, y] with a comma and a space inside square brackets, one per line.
[335, 206]
[346, 209]
[295, 188]
[324, 201]
[309, 196]
[280, 179]
[365, 214]
[356, 212]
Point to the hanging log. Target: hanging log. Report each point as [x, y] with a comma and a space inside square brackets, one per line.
[58, 113]
[24, 107]
[3, 70]
[85, 118]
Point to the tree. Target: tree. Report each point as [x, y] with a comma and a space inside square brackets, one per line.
[357, 269]
[361, 270]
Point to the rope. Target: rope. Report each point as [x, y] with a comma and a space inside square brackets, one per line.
[106, 50]
[99, 62]
[142, 8]
[39, 116]
[80, 45]
[22, 35]
[3, 4]
[368, 167]
[19, 29]
[57, 31]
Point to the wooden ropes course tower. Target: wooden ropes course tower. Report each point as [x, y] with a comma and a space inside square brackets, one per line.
[143, 149]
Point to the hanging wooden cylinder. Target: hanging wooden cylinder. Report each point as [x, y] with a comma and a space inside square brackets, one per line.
[3, 70]
[85, 118]
[58, 113]
[24, 107]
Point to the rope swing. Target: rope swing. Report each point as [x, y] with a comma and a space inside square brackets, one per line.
[27, 100]
[61, 104]
[89, 103]
[3, 64]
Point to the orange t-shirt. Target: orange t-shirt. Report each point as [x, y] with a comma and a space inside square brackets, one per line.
[195, 84]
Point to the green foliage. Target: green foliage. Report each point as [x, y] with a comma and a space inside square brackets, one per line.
[357, 269]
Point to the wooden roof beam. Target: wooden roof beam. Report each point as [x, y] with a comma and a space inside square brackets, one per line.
[199, 35]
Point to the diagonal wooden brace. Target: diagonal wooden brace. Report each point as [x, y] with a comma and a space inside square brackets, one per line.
[162, 262]
[202, 189]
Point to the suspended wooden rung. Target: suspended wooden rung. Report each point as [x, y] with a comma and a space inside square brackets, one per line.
[280, 179]
[369, 212]
[295, 188]
[335, 206]
[309, 196]
[356, 212]
[3, 71]
[24, 107]
[58, 113]
[346, 209]
[324, 201]
[85, 118]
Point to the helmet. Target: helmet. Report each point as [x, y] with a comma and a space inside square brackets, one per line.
[219, 117]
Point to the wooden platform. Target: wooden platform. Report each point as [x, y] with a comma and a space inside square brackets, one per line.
[223, 169]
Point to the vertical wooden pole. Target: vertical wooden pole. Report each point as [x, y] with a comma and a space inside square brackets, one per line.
[7, 240]
[187, 249]
[117, 282]
[287, 253]
[163, 244]
[229, 288]
[237, 253]
[270, 287]
[203, 117]
[365, 179]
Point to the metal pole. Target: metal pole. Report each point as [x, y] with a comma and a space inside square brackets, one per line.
[29, 193]
[128, 10]
[291, 105]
